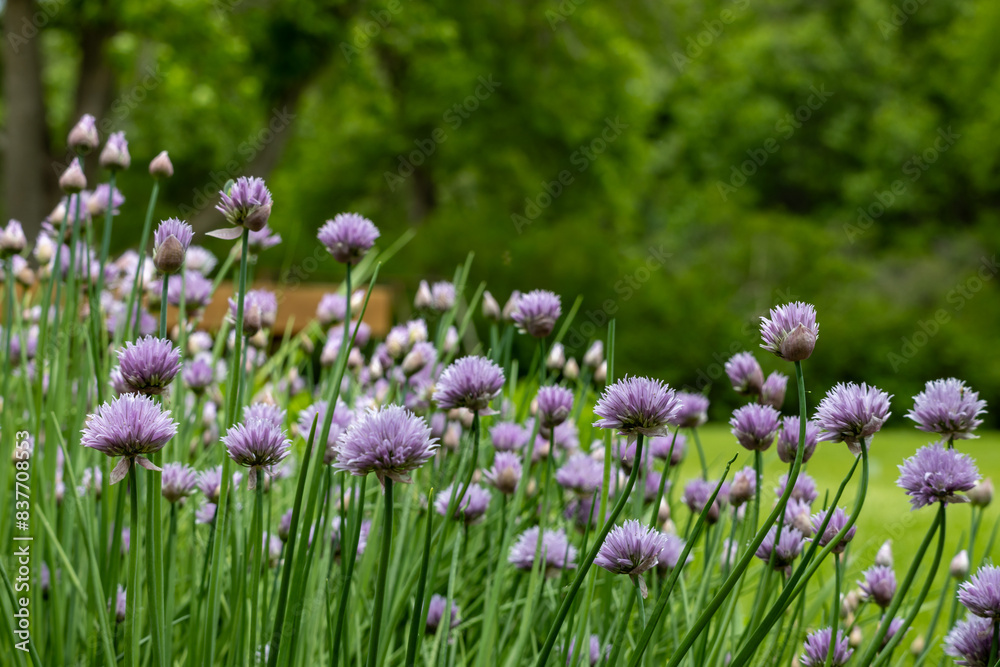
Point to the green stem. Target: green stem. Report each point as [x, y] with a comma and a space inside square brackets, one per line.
[995, 644]
[168, 586]
[131, 611]
[163, 306]
[418, 602]
[106, 240]
[256, 549]
[383, 568]
[701, 452]
[550, 640]
[132, 327]
[348, 552]
[834, 609]
[616, 649]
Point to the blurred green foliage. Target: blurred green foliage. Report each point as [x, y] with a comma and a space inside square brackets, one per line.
[842, 152]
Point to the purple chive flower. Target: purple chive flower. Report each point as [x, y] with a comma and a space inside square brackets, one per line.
[788, 439]
[556, 550]
[114, 155]
[804, 489]
[506, 472]
[744, 486]
[595, 650]
[948, 407]
[693, 410]
[660, 448]
[791, 331]
[178, 481]
[130, 426]
[121, 599]
[149, 365]
[879, 585]
[83, 138]
[981, 593]
[971, 641]
[285, 525]
[198, 373]
[554, 406]
[257, 444]
[745, 374]
[789, 546]
[348, 237]
[332, 309]
[637, 406]
[755, 426]
[817, 647]
[206, 513]
[435, 613]
[837, 523]
[671, 553]
[420, 356]
[442, 296]
[536, 313]
[696, 495]
[170, 242]
[850, 413]
[471, 507]
[894, 626]
[391, 442]
[102, 199]
[631, 549]
[797, 515]
[772, 392]
[580, 474]
[199, 259]
[197, 290]
[265, 411]
[247, 204]
[937, 474]
[12, 239]
[342, 417]
[262, 239]
[470, 382]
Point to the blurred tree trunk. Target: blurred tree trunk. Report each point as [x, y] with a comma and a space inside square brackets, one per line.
[26, 146]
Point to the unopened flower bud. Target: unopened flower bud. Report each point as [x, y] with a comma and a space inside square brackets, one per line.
[259, 340]
[557, 358]
[72, 180]
[981, 494]
[83, 137]
[571, 370]
[851, 602]
[257, 220]
[355, 360]
[251, 319]
[161, 166]
[884, 555]
[114, 155]
[508, 308]
[452, 436]
[960, 565]
[169, 256]
[423, 299]
[663, 513]
[491, 309]
[12, 239]
[414, 361]
[855, 637]
[450, 340]
[594, 355]
[799, 344]
[601, 374]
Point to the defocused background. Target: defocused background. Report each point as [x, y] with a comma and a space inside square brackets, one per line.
[681, 165]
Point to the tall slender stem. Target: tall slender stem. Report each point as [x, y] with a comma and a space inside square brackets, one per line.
[834, 610]
[418, 602]
[131, 612]
[256, 549]
[132, 326]
[348, 553]
[383, 568]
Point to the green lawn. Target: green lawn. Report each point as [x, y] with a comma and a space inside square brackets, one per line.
[886, 511]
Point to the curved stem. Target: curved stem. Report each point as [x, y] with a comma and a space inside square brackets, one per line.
[550, 639]
[383, 567]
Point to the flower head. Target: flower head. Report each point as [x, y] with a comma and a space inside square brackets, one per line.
[948, 407]
[879, 585]
[506, 472]
[12, 239]
[744, 486]
[788, 439]
[471, 507]
[257, 444]
[508, 436]
[836, 524]
[161, 166]
[637, 405]
[348, 237]
[817, 647]
[791, 331]
[247, 204]
[391, 442]
[556, 551]
[149, 365]
[262, 239]
[668, 448]
[693, 410]
[755, 426]
[435, 613]
[696, 495]
[745, 373]
[342, 417]
[170, 242]
[850, 413]
[114, 155]
[971, 641]
[631, 549]
[772, 392]
[937, 474]
[178, 481]
[673, 546]
[580, 474]
[130, 426]
[536, 313]
[83, 137]
[803, 490]
[981, 593]
[198, 373]
[788, 548]
[595, 650]
[554, 406]
[469, 382]
[332, 309]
